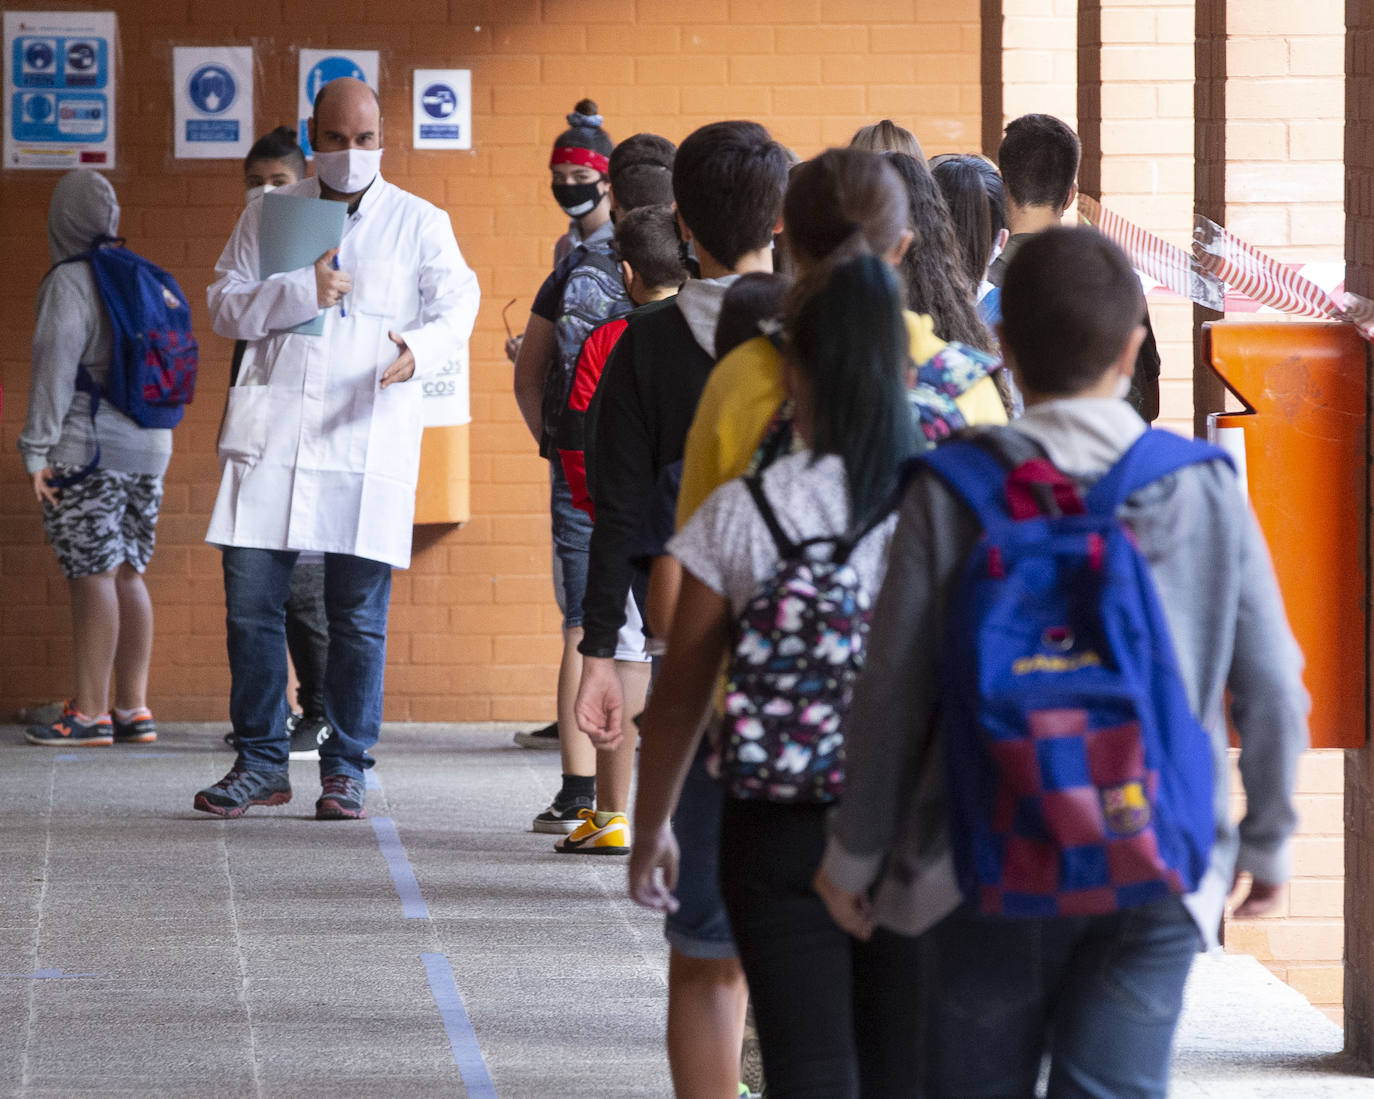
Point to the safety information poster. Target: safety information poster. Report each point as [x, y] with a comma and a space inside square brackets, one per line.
[212, 89]
[59, 89]
[319, 67]
[442, 109]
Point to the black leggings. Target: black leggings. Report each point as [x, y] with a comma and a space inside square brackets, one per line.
[836, 1017]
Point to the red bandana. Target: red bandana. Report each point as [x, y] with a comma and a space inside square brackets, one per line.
[584, 158]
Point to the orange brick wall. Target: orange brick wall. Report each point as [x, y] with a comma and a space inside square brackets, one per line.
[474, 630]
[1284, 144]
[1285, 101]
[1302, 942]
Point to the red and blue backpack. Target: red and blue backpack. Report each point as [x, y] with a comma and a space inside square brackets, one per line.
[155, 354]
[1079, 780]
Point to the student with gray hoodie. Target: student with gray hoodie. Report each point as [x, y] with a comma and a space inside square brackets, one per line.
[101, 525]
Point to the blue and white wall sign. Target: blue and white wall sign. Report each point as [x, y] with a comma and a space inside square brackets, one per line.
[442, 109]
[212, 87]
[319, 67]
[59, 89]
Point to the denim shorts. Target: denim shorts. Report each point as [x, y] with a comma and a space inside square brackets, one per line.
[700, 927]
[572, 539]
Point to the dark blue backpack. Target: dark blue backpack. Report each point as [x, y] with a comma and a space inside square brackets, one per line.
[1080, 782]
[155, 354]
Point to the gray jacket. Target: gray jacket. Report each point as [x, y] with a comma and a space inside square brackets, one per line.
[72, 327]
[1220, 596]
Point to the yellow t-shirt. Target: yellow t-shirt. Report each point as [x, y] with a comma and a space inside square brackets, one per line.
[744, 391]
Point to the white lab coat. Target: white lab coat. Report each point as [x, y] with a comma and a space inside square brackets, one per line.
[315, 455]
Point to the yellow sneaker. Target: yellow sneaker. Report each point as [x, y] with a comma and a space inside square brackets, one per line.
[590, 838]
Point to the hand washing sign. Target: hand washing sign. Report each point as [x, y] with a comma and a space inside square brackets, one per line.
[59, 89]
[319, 67]
[213, 93]
[442, 109]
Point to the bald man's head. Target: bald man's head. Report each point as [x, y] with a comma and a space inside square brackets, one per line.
[347, 115]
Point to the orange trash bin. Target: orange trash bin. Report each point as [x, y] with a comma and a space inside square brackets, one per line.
[1303, 445]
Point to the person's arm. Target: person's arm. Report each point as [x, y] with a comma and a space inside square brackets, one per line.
[625, 477]
[891, 721]
[665, 585]
[449, 298]
[245, 307]
[670, 729]
[1269, 708]
[531, 370]
[62, 330]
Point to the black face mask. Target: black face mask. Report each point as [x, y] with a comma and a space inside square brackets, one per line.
[577, 199]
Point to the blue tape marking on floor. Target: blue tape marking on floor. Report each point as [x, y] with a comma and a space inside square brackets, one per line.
[413, 905]
[462, 1039]
[371, 781]
[67, 757]
[49, 975]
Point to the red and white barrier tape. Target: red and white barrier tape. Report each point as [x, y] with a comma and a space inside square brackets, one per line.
[1155, 257]
[1221, 261]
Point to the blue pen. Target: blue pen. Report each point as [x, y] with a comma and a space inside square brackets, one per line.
[342, 311]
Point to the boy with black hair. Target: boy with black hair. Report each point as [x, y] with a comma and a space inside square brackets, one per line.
[1038, 159]
[728, 182]
[1100, 993]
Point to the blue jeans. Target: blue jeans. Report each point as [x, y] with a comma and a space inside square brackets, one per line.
[357, 593]
[700, 928]
[1100, 994]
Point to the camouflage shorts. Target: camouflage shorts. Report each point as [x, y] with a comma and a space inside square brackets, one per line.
[103, 521]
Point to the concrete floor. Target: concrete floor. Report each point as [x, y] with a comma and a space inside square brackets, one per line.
[437, 949]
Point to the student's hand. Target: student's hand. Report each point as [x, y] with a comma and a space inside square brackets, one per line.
[600, 702]
[653, 868]
[45, 492]
[1261, 900]
[513, 346]
[403, 367]
[852, 911]
[330, 285]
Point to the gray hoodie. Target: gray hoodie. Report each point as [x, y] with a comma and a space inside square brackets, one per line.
[1220, 597]
[71, 328]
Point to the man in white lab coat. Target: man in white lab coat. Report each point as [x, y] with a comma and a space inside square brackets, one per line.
[321, 446]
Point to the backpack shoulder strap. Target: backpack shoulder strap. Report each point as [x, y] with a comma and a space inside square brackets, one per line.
[786, 547]
[976, 465]
[1156, 454]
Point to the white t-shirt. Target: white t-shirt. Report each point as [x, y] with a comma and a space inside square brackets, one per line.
[727, 546]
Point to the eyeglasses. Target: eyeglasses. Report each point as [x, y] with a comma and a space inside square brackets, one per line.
[506, 322]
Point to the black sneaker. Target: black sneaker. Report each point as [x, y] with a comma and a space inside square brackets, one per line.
[561, 818]
[341, 798]
[139, 729]
[235, 792]
[307, 733]
[546, 738]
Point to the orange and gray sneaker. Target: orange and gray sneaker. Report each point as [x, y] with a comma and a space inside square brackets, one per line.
[134, 726]
[598, 834]
[73, 730]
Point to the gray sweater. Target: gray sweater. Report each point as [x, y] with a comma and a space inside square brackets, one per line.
[1221, 599]
[72, 327]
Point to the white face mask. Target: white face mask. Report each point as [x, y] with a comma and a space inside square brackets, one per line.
[257, 192]
[348, 171]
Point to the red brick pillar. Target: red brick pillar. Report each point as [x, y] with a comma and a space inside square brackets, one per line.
[1209, 180]
[1359, 765]
[990, 66]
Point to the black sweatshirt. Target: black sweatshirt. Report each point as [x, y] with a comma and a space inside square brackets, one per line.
[637, 425]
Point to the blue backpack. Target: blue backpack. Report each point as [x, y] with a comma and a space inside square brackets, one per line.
[1079, 780]
[155, 354]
